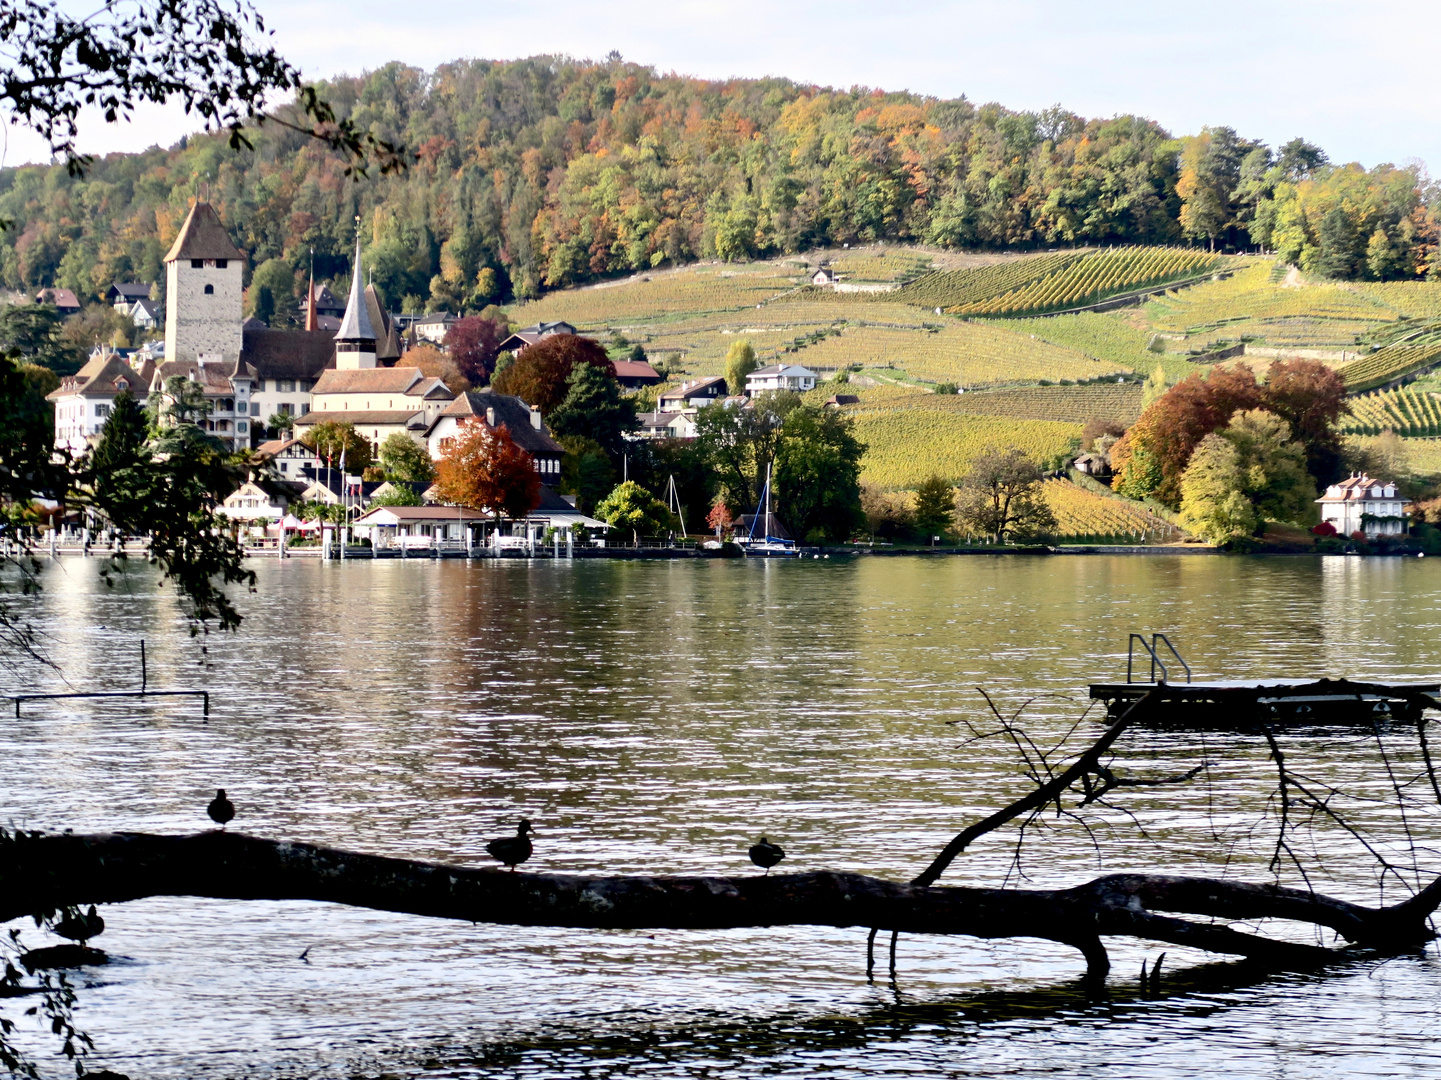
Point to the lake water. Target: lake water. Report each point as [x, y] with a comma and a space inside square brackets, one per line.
[657, 717]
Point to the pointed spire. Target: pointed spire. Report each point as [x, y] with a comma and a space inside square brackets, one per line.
[355, 327]
[312, 320]
[355, 340]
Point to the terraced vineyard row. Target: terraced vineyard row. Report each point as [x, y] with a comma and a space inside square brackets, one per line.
[1084, 514]
[953, 288]
[648, 297]
[1406, 412]
[1067, 404]
[1094, 277]
[908, 445]
[968, 354]
[1391, 363]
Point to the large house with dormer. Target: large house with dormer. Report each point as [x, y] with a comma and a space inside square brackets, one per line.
[524, 424]
[1365, 505]
[83, 401]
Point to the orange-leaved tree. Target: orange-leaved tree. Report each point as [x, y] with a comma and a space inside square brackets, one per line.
[484, 469]
[540, 376]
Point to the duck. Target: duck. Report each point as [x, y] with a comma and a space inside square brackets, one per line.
[513, 850]
[220, 809]
[79, 927]
[765, 854]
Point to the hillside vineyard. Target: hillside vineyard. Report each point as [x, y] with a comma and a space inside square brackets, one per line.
[535, 174]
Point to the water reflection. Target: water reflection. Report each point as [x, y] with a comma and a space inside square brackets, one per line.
[657, 718]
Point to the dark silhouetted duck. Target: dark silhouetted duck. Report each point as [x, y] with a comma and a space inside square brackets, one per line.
[765, 854]
[513, 850]
[81, 928]
[220, 809]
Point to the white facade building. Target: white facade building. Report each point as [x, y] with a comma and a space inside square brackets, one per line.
[780, 377]
[83, 401]
[1365, 505]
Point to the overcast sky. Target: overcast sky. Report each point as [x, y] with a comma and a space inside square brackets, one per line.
[1362, 79]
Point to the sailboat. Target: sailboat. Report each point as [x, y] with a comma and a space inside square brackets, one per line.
[767, 545]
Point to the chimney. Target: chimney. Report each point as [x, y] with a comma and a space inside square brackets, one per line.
[490, 415]
[535, 418]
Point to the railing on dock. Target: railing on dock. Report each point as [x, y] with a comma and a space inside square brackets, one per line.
[143, 692]
[1153, 651]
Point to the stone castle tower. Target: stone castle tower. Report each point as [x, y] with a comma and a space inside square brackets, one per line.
[204, 294]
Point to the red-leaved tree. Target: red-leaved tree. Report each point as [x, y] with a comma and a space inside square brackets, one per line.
[1152, 456]
[473, 344]
[485, 470]
[540, 375]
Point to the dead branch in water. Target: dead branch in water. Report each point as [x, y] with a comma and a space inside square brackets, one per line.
[42, 872]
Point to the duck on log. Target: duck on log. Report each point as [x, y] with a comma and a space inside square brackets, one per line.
[41, 873]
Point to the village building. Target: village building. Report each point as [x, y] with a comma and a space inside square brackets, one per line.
[692, 394]
[665, 425]
[825, 277]
[328, 309]
[527, 336]
[63, 300]
[434, 327]
[837, 401]
[633, 374]
[780, 377]
[379, 402]
[227, 386]
[524, 424]
[123, 294]
[145, 313]
[1366, 505]
[83, 401]
[290, 458]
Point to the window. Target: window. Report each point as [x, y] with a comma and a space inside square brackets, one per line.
[241, 426]
[210, 290]
[221, 264]
[287, 386]
[102, 410]
[285, 409]
[197, 264]
[255, 408]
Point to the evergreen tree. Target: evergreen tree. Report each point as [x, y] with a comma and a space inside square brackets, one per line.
[1337, 257]
[594, 409]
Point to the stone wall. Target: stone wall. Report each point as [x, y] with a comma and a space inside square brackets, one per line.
[197, 322]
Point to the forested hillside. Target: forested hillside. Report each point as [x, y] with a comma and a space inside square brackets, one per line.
[535, 174]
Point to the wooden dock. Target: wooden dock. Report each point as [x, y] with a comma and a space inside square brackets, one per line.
[1233, 703]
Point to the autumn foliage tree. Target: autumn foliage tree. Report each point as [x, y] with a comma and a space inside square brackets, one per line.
[540, 376]
[484, 469]
[473, 343]
[1152, 456]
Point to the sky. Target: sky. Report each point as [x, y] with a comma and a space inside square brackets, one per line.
[1363, 80]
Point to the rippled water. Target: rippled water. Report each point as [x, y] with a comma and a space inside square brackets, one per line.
[656, 717]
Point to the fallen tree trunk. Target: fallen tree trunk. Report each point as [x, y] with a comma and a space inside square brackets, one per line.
[41, 873]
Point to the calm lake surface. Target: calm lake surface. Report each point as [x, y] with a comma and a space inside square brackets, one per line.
[656, 718]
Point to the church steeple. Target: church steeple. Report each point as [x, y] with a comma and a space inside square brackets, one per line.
[355, 340]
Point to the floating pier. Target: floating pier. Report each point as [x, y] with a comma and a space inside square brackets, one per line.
[1239, 703]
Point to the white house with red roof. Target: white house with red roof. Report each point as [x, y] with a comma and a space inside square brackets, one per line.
[1366, 505]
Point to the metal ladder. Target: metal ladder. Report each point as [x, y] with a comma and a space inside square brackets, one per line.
[1152, 649]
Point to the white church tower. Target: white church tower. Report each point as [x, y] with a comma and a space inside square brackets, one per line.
[204, 292]
[355, 340]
